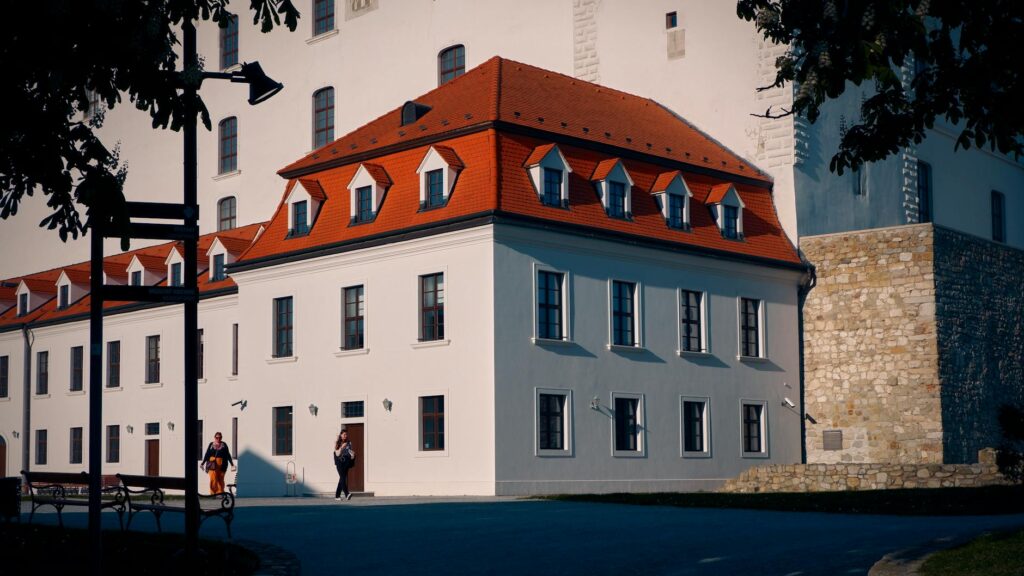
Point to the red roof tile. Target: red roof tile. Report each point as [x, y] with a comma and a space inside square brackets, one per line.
[450, 157]
[41, 285]
[154, 261]
[234, 245]
[717, 193]
[378, 173]
[604, 168]
[313, 188]
[538, 154]
[662, 182]
[77, 275]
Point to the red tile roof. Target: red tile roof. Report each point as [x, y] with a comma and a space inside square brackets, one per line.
[77, 275]
[154, 261]
[378, 173]
[450, 157]
[717, 193]
[234, 245]
[313, 188]
[604, 168]
[538, 154]
[115, 268]
[42, 285]
[662, 182]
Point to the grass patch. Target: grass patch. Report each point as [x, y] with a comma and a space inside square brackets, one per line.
[990, 555]
[907, 502]
[52, 550]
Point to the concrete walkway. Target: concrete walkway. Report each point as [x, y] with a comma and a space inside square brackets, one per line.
[508, 536]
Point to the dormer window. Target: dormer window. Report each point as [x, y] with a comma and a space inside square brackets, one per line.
[614, 187]
[366, 193]
[137, 278]
[727, 210]
[223, 251]
[22, 304]
[300, 218]
[304, 203]
[176, 274]
[676, 211]
[673, 198]
[438, 171]
[64, 297]
[549, 174]
[218, 268]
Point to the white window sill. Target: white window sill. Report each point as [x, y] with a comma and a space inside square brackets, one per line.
[432, 453]
[117, 389]
[321, 37]
[233, 68]
[430, 344]
[554, 453]
[628, 454]
[353, 352]
[5, 399]
[227, 175]
[755, 455]
[551, 342]
[752, 359]
[40, 396]
[624, 348]
[153, 385]
[231, 378]
[76, 393]
[696, 454]
[693, 354]
[282, 359]
[201, 381]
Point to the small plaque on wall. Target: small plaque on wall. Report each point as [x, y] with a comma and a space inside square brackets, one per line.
[356, 8]
[676, 43]
[833, 439]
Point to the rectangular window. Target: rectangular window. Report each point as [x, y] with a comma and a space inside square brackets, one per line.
[549, 305]
[431, 423]
[114, 364]
[694, 426]
[300, 224]
[137, 278]
[75, 447]
[77, 360]
[62, 300]
[200, 354]
[435, 188]
[364, 203]
[234, 349]
[750, 327]
[753, 428]
[283, 431]
[998, 217]
[218, 268]
[323, 117]
[432, 307]
[552, 187]
[691, 330]
[176, 274]
[234, 435]
[623, 313]
[352, 409]
[924, 192]
[228, 153]
[616, 199]
[152, 359]
[42, 373]
[152, 428]
[113, 444]
[676, 211]
[40, 447]
[283, 325]
[4, 376]
[858, 181]
[200, 447]
[354, 314]
[732, 218]
[671, 20]
[551, 421]
[22, 304]
[627, 424]
[323, 16]
[229, 44]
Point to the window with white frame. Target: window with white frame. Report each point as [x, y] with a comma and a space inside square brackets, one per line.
[323, 117]
[282, 423]
[367, 190]
[727, 210]
[283, 327]
[229, 43]
[152, 359]
[553, 422]
[451, 63]
[63, 298]
[627, 424]
[227, 156]
[432, 307]
[672, 195]
[754, 428]
[431, 423]
[137, 278]
[77, 369]
[751, 332]
[323, 16]
[364, 207]
[696, 428]
[227, 209]
[691, 321]
[551, 305]
[22, 304]
[42, 373]
[218, 272]
[75, 446]
[624, 314]
[234, 349]
[41, 447]
[5, 367]
[354, 305]
[300, 219]
[114, 364]
[176, 274]
[438, 172]
[614, 187]
[113, 444]
[549, 173]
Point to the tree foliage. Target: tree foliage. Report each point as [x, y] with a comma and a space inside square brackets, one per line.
[1010, 457]
[962, 55]
[56, 55]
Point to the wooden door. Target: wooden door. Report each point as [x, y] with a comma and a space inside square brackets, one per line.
[153, 457]
[356, 474]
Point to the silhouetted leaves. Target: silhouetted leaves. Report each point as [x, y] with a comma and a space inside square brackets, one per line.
[1010, 457]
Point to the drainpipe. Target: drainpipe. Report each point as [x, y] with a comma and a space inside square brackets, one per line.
[807, 283]
[26, 417]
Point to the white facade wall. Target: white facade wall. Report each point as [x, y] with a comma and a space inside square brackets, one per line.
[12, 407]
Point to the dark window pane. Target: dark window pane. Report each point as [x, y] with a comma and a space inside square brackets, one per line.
[616, 199]
[323, 117]
[432, 307]
[283, 431]
[41, 447]
[998, 217]
[752, 441]
[750, 332]
[623, 305]
[626, 424]
[75, 448]
[114, 364]
[283, 326]
[323, 16]
[924, 192]
[551, 421]
[113, 444]
[354, 306]
[229, 44]
[42, 373]
[690, 328]
[228, 158]
[676, 211]
[432, 423]
[226, 213]
[76, 368]
[364, 204]
[451, 63]
[549, 305]
[352, 409]
[152, 359]
[552, 187]
[4, 376]
[300, 221]
[731, 228]
[693, 426]
[435, 188]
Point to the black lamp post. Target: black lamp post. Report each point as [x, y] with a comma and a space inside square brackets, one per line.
[261, 88]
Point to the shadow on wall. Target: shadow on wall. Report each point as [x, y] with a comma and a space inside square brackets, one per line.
[257, 476]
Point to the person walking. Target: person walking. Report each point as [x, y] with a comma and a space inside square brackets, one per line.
[216, 462]
[344, 459]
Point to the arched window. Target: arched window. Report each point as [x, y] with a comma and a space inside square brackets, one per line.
[323, 117]
[451, 63]
[228, 157]
[226, 213]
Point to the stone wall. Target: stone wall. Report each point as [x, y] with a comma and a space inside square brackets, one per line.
[979, 288]
[871, 366]
[835, 477]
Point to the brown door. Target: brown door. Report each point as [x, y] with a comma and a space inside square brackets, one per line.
[356, 474]
[152, 457]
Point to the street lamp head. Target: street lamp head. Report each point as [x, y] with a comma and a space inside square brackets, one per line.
[261, 87]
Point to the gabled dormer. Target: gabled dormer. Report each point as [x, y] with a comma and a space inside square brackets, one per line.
[33, 293]
[304, 202]
[673, 198]
[114, 273]
[72, 285]
[366, 192]
[727, 210]
[614, 188]
[549, 173]
[145, 270]
[224, 250]
[437, 172]
[175, 263]
[8, 298]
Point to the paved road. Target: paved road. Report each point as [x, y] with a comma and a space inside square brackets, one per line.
[501, 536]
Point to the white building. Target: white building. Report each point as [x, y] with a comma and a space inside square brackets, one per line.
[518, 283]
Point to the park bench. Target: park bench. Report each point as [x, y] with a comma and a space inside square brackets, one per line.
[148, 494]
[63, 489]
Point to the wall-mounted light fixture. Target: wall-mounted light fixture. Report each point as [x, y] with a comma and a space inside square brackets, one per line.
[810, 419]
[313, 409]
[788, 403]
[387, 404]
[15, 434]
[595, 404]
[170, 425]
[241, 404]
[129, 428]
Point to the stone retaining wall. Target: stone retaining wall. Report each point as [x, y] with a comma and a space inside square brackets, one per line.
[837, 477]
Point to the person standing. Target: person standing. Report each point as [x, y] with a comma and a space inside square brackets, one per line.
[344, 459]
[216, 462]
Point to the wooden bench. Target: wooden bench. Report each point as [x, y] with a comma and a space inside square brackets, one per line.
[63, 489]
[147, 494]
